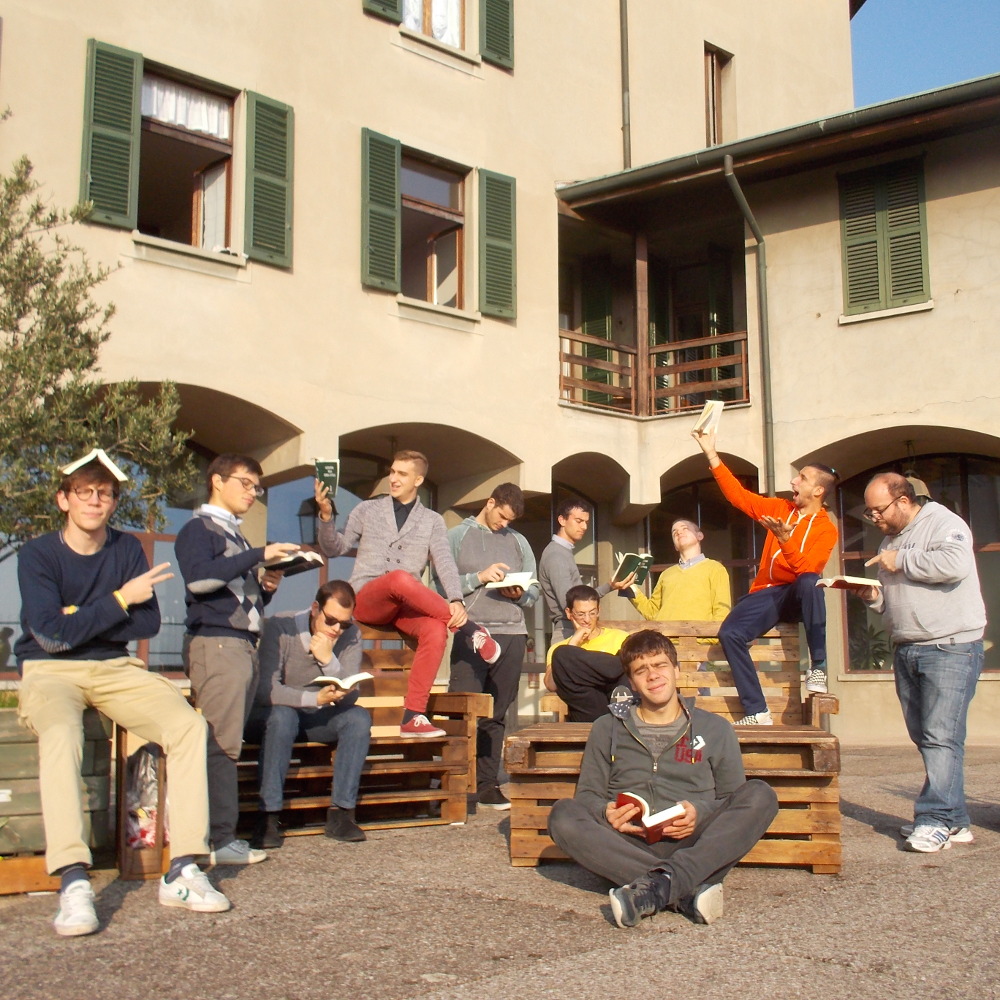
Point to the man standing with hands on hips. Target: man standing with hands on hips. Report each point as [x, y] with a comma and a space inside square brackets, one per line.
[933, 607]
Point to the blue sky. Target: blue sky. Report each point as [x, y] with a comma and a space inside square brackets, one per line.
[906, 46]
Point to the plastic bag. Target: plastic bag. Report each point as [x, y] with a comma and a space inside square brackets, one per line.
[141, 797]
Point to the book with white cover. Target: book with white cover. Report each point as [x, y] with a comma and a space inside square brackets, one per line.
[101, 456]
[710, 415]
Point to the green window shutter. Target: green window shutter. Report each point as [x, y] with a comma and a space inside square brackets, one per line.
[391, 10]
[496, 32]
[270, 134]
[111, 122]
[596, 320]
[380, 211]
[906, 234]
[497, 245]
[884, 235]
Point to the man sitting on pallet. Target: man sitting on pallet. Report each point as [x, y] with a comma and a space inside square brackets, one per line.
[696, 589]
[86, 592]
[296, 648]
[800, 538]
[399, 531]
[583, 669]
[671, 754]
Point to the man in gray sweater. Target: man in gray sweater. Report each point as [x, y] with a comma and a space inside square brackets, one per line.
[296, 648]
[393, 537]
[486, 550]
[670, 753]
[933, 608]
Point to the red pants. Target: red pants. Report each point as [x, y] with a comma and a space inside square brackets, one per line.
[399, 600]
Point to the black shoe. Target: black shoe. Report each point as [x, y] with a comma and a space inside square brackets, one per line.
[641, 898]
[340, 825]
[493, 798]
[267, 836]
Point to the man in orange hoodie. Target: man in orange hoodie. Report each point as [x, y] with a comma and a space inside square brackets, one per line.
[800, 538]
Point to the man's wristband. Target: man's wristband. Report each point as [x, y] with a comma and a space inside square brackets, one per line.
[121, 600]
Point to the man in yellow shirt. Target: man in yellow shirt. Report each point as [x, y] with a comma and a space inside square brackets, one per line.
[696, 589]
[584, 669]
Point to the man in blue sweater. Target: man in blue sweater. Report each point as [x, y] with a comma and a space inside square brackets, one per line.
[86, 592]
[225, 604]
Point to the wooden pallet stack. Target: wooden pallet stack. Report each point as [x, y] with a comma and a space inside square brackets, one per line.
[797, 756]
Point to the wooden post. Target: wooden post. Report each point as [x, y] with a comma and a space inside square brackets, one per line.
[641, 389]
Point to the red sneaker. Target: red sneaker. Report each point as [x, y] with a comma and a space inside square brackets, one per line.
[485, 645]
[418, 726]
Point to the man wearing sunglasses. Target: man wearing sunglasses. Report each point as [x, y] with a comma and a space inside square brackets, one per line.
[933, 608]
[225, 604]
[296, 648]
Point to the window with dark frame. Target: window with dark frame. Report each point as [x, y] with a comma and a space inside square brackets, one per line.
[432, 232]
[716, 65]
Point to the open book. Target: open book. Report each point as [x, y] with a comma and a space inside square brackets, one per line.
[522, 580]
[344, 683]
[847, 582]
[328, 473]
[654, 823]
[102, 456]
[298, 562]
[633, 562]
[711, 414]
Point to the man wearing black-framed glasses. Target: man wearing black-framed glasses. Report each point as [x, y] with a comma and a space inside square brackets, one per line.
[933, 608]
[297, 648]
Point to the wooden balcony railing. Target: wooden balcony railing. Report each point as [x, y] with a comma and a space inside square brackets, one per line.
[681, 375]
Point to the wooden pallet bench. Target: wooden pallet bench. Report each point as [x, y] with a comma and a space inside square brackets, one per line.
[797, 757]
[405, 781]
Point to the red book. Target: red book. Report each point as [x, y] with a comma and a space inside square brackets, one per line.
[653, 823]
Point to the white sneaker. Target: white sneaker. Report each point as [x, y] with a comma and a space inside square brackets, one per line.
[705, 905]
[192, 890]
[816, 681]
[929, 839]
[76, 910]
[759, 719]
[237, 852]
[957, 834]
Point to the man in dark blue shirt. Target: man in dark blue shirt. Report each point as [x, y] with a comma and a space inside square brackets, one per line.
[86, 592]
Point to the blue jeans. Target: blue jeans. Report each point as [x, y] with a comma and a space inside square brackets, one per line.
[935, 684]
[758, 612]
[349, 726]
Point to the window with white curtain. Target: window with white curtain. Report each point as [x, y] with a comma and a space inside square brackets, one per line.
[440, 19]
[185, 158]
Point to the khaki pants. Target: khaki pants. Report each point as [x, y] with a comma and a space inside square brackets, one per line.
[54, 694]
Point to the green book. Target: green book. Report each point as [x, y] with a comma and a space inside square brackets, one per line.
[328, 473]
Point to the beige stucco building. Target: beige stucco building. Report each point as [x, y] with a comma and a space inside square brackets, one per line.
[379, 223]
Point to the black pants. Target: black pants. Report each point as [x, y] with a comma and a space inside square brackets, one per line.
[471, 673]
[716, 845]
[584, 679]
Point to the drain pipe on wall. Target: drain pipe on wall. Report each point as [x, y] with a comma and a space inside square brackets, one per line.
[765, 347]
[626, 108]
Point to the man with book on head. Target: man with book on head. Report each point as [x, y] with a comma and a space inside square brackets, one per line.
[393, 537]
[86, 592]
[584, 669]
[696, 589]
[297, 649]
[670, 753]
[557, 569]
[487, 550]
[225, 605]
[933, 608]
[800, 538]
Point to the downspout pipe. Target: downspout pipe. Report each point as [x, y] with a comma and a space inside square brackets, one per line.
[626, 95]
[765, 343]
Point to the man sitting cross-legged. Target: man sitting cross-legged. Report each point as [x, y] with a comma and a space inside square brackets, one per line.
[86, 592]
[394, 536]
[800, 538]
[670, 753]
[583, 669]
[296, 647]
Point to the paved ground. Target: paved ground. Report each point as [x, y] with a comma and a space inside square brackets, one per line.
[438, 913]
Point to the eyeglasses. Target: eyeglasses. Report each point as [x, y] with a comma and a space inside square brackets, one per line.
[85, 493]
[332, 621]
[249, 485]
[585, 614]
[875, 513]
